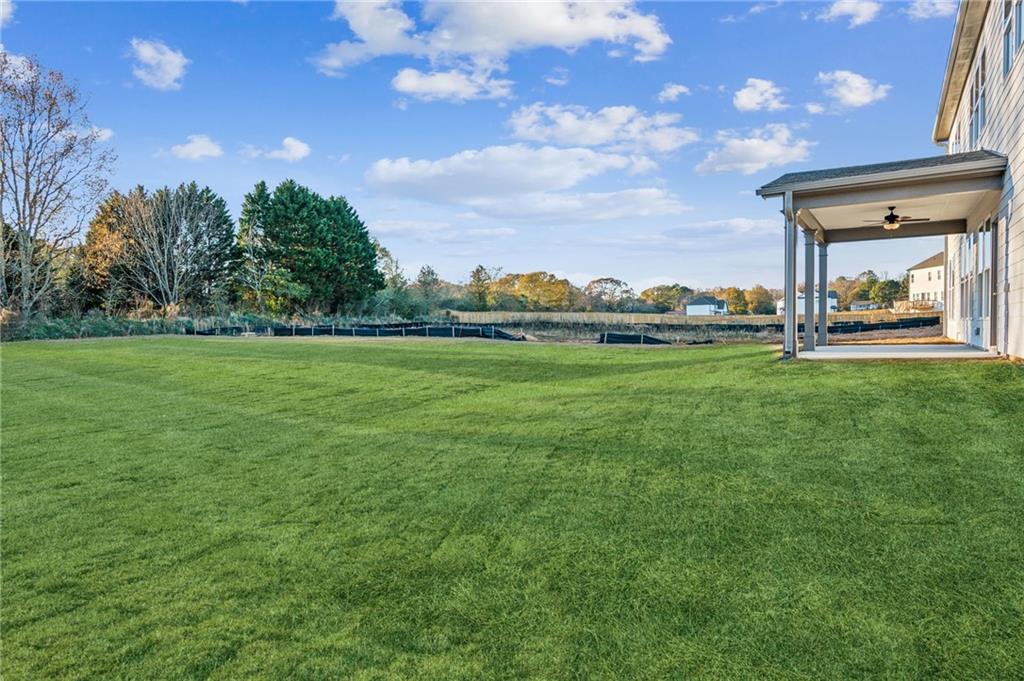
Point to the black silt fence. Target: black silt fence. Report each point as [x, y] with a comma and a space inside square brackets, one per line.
[630, 339]
[369, 331]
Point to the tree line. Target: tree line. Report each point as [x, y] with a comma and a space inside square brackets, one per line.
[178, 249]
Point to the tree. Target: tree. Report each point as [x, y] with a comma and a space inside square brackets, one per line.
[759, 300]
[534, 291]
[179, 244]
[323, 247]
[608, 293]
[428, 285]
[904, 293]
[664, 297]
[735, 299]
[103, 256]
[52, 171]
[389, 267]
[884, 292]
[846, 289]
[479, 287]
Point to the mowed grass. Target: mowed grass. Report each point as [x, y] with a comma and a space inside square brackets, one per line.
[324, 509]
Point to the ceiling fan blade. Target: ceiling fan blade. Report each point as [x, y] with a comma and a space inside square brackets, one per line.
[914, 219]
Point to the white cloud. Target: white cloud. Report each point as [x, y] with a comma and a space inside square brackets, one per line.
[477, 38]
[852, 89]
[437, 232]
[739, 225]
[19, 66]
[585, 207]
[620, 127]
[102, 134]
[6, 12]
[772, 145]
[496, 29]
[513, 169]
[382, 28]
[929, 9]
[452, 85]
[759, 95]
[814, 108]
[557, 76]
[757, 8]
[671, 91]
[521, 182]
[860, 12]
[197, 147]
[157, 65]
[291, 150]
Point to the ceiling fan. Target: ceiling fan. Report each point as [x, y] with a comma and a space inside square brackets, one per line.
[893, 221]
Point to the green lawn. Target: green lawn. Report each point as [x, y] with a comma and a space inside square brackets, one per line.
[306, 508]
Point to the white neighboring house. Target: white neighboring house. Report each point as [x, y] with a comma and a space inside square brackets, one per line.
[706, 306]
[861, 305]
[927, 285]
[833, 303]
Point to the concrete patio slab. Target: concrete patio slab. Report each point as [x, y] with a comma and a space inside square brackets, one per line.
[870, 352]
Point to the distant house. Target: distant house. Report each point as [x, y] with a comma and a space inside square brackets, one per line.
[859, 305]
[926, 283]
[706, 306]
[833, 303]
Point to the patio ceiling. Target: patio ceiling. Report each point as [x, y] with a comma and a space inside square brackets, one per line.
[839, 204]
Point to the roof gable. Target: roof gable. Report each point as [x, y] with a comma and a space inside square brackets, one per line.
[936, 260]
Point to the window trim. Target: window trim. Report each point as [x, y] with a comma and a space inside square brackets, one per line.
[1009, 48]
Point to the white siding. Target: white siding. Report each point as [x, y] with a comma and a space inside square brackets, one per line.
[1003, 133]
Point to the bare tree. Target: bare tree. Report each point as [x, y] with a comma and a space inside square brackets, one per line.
[52, 172]
[179, 243]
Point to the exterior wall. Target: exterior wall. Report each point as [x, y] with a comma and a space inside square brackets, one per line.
[780, 304]
[1003, 133]
[699, 310]
[928, 283]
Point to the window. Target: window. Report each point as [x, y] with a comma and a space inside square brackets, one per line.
[1008, 46]
[978, 101]
[929, 276]
[1018, 19]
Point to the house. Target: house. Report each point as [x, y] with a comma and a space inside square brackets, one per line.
[833, 303]
[927, 285]
[860, 305]
[973, 195]
[706, 305]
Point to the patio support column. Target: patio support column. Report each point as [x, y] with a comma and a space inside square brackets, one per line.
[789, 297]
[822, 295]
[808, 291]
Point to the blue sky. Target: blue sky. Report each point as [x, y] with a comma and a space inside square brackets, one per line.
[613, 139]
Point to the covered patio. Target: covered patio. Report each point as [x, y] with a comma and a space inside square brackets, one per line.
[898, 351]
[914, 198]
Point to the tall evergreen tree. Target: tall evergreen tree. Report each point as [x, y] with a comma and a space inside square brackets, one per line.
[323, 247]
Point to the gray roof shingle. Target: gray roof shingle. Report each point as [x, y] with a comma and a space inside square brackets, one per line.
[876, 168]
[934, 261]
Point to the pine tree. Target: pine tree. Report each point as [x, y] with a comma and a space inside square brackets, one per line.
[480, 287]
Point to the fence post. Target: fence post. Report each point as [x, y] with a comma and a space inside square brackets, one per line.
[293, 329]
[641, 339]
[403, 332]
[332, 329]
